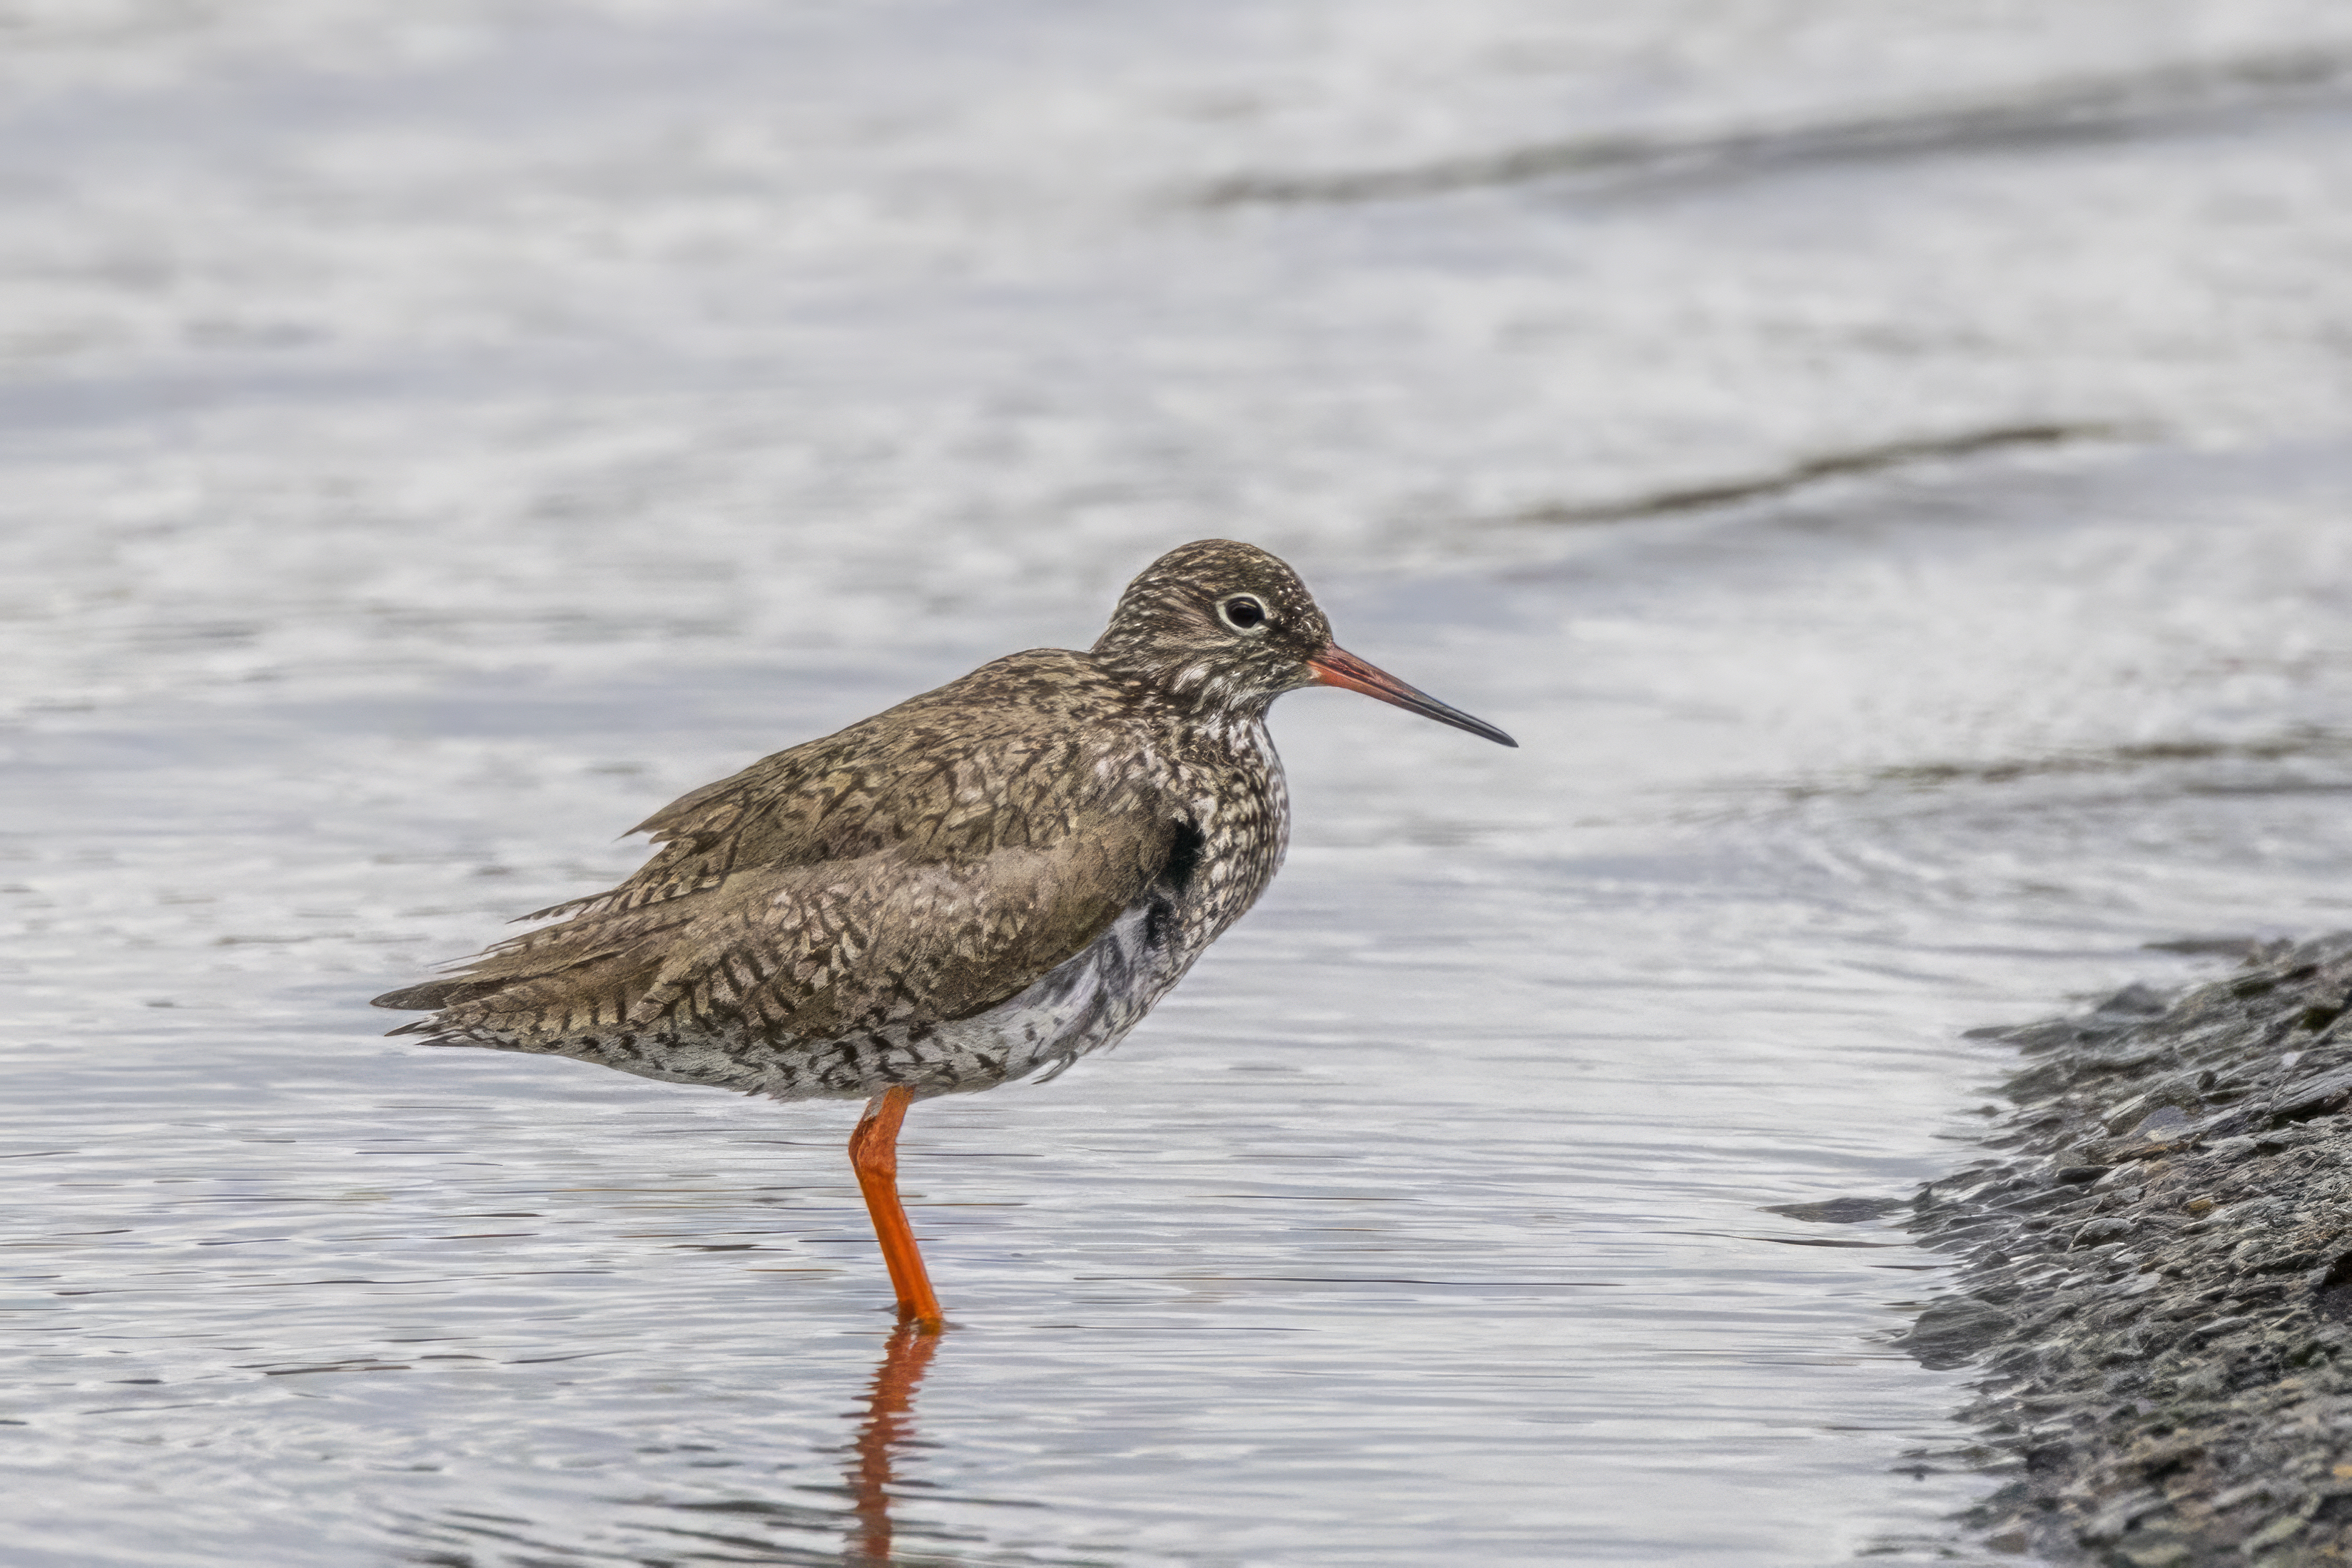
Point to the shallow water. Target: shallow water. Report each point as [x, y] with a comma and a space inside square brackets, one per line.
[434, 443]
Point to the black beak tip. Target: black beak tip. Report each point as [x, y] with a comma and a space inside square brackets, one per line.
[1485, 731]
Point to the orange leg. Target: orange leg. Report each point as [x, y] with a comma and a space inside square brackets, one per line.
[874, 1155]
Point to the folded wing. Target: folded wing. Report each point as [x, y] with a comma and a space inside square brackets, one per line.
[828, 889]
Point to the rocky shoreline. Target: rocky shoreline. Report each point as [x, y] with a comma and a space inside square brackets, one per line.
[2157, 1283]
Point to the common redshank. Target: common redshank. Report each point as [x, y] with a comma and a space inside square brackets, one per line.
[982, 883]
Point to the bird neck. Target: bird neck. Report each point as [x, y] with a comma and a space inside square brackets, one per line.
[1192, 686]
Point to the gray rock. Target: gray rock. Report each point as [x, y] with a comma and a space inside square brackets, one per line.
[1840, 1210]
[2157, 1274]
[2137, 1002]
[2101, 1230]
[1950, 1333]
[2312, 1095]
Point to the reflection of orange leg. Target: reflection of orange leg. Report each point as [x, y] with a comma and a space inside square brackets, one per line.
[889, 1422]
[874, 1155]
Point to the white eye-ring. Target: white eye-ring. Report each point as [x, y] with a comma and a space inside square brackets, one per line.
[1242, 612]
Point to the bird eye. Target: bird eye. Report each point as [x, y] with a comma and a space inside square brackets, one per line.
[1242, 612]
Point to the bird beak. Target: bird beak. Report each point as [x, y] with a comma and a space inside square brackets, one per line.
[1334, 666]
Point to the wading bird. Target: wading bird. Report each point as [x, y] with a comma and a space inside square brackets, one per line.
[982, 883]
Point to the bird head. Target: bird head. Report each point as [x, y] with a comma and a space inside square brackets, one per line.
[1222, 625]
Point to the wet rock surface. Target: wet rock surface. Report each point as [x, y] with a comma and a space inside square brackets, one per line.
[2159, 1275]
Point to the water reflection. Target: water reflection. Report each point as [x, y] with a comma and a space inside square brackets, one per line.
[653, 1530]
[888, 1426]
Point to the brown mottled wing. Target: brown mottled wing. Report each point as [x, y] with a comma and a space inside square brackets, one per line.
[985, 762]
[808, 952]
[876, 877]
[796, 805]
[818, 952]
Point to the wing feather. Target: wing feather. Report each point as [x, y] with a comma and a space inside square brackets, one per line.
[874, 877]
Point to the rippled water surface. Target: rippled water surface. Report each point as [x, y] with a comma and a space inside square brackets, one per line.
[1887, 466]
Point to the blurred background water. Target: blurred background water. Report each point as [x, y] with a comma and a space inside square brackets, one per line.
[1886, 462]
